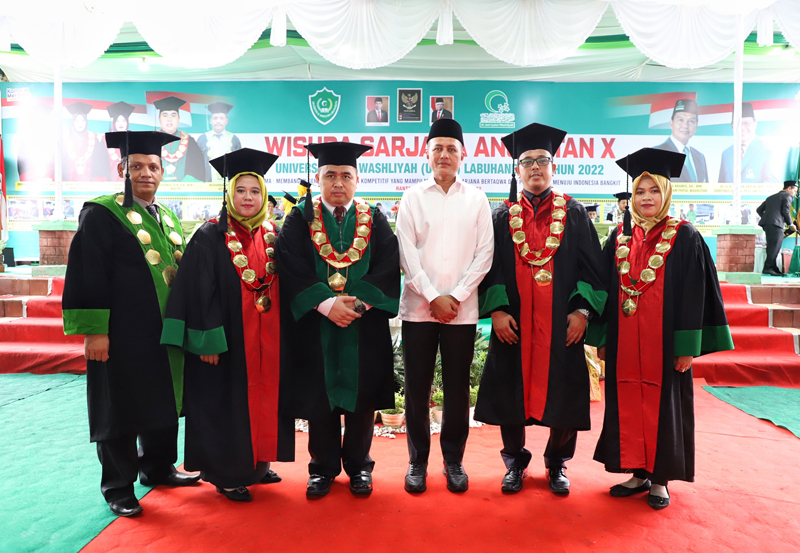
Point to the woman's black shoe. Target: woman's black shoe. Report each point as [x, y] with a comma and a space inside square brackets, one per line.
[623, 491]
[238, 494]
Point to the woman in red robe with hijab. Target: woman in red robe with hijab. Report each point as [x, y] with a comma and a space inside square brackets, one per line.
[664, 308]
[225, 313]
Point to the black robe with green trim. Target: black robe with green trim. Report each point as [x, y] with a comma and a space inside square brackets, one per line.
[331, 367]
[204, 316]
[501, 394]
[110, 288]
[693, 323]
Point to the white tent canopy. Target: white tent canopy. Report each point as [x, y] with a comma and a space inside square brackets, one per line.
[399, 39]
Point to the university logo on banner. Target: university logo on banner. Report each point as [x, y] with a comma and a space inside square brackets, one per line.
[324, 105]
[499, 115]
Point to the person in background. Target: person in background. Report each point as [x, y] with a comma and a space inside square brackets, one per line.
[775, 212]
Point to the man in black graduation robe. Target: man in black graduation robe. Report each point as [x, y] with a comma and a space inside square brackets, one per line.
[535, 369]
[116, 296]
[339, 363]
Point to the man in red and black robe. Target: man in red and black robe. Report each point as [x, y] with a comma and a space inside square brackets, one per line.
[543, 287]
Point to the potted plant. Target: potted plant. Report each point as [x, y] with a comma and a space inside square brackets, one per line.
[394, 417]
[437, 398]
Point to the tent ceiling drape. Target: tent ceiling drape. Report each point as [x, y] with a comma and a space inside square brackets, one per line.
[577, 40]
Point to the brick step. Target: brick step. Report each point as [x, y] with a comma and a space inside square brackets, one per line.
[35, 329]
[775, 294]
[753, 338]
[47, 307]
[39, 358]
[24, 286]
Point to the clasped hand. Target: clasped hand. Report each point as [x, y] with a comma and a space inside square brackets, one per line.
[343, 311]
[444, 308]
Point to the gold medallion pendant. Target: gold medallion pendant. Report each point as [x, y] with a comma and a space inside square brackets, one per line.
[543, 277]
[337, 282]
[628, 307]
[263, 303]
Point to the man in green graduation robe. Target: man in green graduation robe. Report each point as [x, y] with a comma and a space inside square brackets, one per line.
[340, 282]
[120, 265]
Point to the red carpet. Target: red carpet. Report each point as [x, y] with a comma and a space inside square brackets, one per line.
[745, 499]
[763, 356]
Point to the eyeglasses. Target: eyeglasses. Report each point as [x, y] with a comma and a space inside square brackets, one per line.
[541, 162]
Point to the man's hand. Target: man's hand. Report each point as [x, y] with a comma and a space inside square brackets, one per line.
[793, 228]
[576, 324]
[444, 309]
[95, 347]
[212, 359]
[601, 353]
[683, 363]
[503, 323]
[342, 313]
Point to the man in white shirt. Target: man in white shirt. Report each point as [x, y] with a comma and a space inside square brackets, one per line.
[684, 124]
[444, 227]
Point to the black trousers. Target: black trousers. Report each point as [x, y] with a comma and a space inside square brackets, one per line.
[122, 463]
[330, 451]
[774, 242]
[644, 475]
[560, 447]
[457, 345]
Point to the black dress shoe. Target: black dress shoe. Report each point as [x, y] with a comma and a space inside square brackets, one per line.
[271, 477]
[174, 479]
[559, 483]
[125, 507]
[769, 272]
[361, 483]
[512, 481]
[318, 485]
[238, 494]
[623, 491]
[415, 477]
[457, 479]
[657, 502]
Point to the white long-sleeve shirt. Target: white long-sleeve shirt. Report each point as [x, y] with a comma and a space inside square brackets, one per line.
[446, 247]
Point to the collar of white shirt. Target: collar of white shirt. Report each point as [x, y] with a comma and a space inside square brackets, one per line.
[331, 207]
[144, 203]
[431, 183]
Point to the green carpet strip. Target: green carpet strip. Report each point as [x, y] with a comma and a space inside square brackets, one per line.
[780, 406]
[49, 470]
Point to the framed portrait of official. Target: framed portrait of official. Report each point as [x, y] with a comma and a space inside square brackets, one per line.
[409, 105]
[441, 107]
[377, 111]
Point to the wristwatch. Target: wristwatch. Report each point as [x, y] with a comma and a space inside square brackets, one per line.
[359, 307]
[586, 314]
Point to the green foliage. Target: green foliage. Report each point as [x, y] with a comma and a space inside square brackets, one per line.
[397, 357]
[473, 395]
[391, 411]
[437, 397]
[399, 400]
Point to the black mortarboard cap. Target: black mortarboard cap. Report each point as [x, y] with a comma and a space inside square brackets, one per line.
[137, 142]
[271, 199]
[81, 108]
[534, 137]
[622, 196]
[245, 160]
[685, 104]
[170, 103]
[446, 128]
[219, 107]
[654, 161]
[289, 198]
[120, 108]
[337, 153]
[592, 207]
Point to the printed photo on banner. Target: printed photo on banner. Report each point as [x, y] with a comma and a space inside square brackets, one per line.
[377, 111]
[442, 107]
[201, 210]
[409, 105]
[24, 209]
[176, 206]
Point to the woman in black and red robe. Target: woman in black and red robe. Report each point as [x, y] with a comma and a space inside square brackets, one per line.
[225, 312]
[664, 308]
